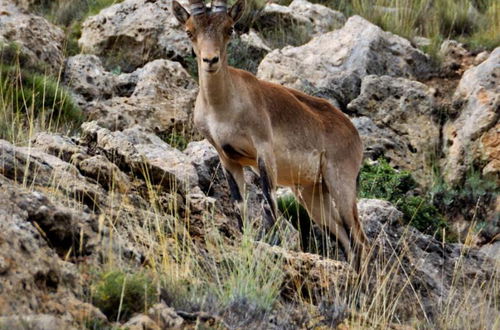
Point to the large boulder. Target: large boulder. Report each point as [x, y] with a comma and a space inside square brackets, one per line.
[313, 18]
[34, 236]
[473, 138]
[37, 39]
[422, 268]
[159, 96]
[333, 64]
[87, 77]
[33, 166]
[143, 153]
[406, 129]
[133, 32]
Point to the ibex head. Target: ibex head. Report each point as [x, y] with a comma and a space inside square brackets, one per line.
[209, 29]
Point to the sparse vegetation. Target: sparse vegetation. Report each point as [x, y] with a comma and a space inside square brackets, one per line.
[198, 264]
[70, 14]
[31, 99]
[380, 180]
[119, 294]
[474, 22]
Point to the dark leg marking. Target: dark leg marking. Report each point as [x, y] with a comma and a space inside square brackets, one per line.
[266, 187]
[232, 153]
[235, 194]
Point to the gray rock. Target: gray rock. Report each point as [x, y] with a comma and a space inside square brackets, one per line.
[86, 77]
[34, 322]
[452, 53]
[332, 65]
[314, 18]
[371, 210]
[402, 111]
[165, 316]
[481, 57]
[420, 261]
[162, 96]
[33, 166]
[106, 173]
[133, 33]
[255, 42]
[473, 137]
[57, 145]
[34, 279]
[378, 141]
[492, 250]
[143, 153]
[38, 39]
[205, 159]
[141, 322]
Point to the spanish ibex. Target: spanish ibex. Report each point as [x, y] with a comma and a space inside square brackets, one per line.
[288, 137]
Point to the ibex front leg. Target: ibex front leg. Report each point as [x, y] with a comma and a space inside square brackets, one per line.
[236, 181]
[267, 172]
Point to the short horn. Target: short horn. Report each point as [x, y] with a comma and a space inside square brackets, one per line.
[197, 7]
[219, 6]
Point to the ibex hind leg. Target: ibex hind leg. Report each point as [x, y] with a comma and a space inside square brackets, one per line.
[319, 204]
[343, 191]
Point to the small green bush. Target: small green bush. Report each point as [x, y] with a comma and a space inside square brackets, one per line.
[134, 292]
[470, 200]
[380, 180]
[30, 98]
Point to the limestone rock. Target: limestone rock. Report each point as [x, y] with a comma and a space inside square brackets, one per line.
[38, 39]
[86, 77]
[134, 32]
[34, 322]
[473, 137]
[205, 159]
[141, 322]
[105, 172]
[33, 166]
[34, 279]
[161, 99]
[57, 145]
[143, 153]
[404, 109]
[333, 64]
[433, 265]
[315, 18]
[165, 316]
[453, 53]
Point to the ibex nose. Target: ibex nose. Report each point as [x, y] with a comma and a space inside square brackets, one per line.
[212, 60]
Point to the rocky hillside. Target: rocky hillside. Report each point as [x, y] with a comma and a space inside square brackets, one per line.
[115, 213]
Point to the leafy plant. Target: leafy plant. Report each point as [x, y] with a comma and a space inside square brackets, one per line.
[380, 180]
[119, 295]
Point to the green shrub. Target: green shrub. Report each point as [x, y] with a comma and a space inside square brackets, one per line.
[30, 99]
[471, 200]
[380, 180]
[119, 295]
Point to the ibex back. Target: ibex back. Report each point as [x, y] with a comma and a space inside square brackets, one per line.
[289, 138]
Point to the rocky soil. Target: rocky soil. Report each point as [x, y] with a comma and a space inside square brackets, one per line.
[71, 204]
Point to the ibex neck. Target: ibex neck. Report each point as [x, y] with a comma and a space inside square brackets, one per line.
[216, 88]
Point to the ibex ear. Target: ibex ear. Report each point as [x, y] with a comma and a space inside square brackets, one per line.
[237, 10]
[180, 13]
